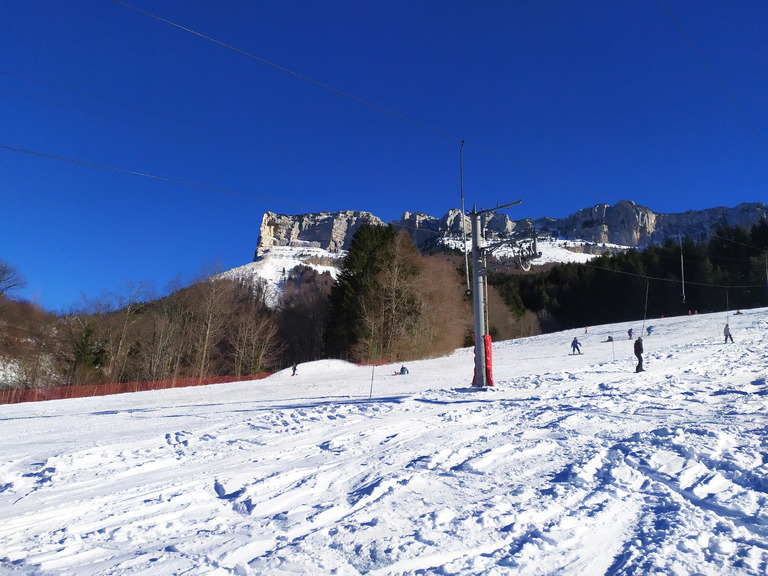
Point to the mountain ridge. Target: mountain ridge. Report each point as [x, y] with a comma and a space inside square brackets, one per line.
[625, 223]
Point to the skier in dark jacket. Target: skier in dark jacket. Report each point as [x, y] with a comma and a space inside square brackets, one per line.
[639, 354]
[576, 346]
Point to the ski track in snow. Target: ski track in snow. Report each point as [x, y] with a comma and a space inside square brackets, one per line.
[574, 465]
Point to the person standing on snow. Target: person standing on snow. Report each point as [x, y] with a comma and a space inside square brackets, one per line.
[727, 333]
[576, 346]
[629, 333]
[639, 354]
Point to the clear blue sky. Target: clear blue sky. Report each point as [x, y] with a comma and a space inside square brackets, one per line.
[298, 107]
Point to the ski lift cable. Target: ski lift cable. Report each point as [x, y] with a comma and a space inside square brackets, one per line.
[506, 158]
[184, 183]
[289, 71]
[645, 310]
[682, 268]
[667, 279]
[151, 176]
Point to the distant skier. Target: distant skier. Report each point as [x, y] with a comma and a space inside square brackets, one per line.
[649, 330]
[294, 370]
[630, 332]
[403, 370]
[576, 346]
[727, 333]
[639, 354]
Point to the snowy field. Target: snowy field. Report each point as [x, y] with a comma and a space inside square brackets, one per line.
[574, 465]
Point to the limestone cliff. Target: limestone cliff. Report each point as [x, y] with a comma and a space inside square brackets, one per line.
[328, 230]
[625, 223]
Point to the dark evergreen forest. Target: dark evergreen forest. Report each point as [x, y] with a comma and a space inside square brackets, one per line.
[728, 271]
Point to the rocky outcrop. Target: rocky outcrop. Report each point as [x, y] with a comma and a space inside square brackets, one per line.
[630, 224]
[328, 230]
[625, 224]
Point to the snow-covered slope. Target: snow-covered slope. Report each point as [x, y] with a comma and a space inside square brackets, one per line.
[276, 263]
[575, 465]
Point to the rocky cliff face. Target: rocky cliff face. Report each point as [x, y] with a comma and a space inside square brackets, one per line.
[630, 224]
[328, 230]
[626, 224]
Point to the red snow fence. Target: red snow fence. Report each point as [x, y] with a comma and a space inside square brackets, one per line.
[83, 391]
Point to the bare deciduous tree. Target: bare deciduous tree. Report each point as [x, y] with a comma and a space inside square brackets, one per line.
[10, 278]
[119, 325]
[254, 344]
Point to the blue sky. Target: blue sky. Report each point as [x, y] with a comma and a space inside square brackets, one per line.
[135, 149]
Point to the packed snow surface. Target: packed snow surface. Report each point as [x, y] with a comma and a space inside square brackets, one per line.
[573, 465]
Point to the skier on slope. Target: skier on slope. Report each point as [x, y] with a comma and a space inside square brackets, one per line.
[639, 354]
[727, 333]
[576, 346]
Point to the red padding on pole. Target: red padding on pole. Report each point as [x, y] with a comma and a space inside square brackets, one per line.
[489, 360]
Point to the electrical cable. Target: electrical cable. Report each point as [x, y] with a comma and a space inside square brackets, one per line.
[521, 165]
[291, 72]
[154, 177]
[192, 184]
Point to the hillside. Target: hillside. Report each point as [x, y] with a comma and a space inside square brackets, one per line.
[273, 266]
[575, 465]
[319, 240]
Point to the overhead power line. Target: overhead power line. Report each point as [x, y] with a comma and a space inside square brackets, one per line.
[291, 72]
[267, 199]
[186, 183]
[154, 177]
[352, 97]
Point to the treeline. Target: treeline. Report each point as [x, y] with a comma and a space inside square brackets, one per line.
[728, 271]
[389, 303]
[216, 327]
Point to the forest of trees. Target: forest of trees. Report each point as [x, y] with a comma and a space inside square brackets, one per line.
[389, 302]
[210, 327]
[728, 271]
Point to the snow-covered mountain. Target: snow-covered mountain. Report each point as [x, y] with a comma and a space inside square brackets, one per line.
[320, 240]
[575, 465]
[274, 265]
[625, 224]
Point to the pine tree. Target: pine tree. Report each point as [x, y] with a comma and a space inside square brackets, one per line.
[355, 283]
